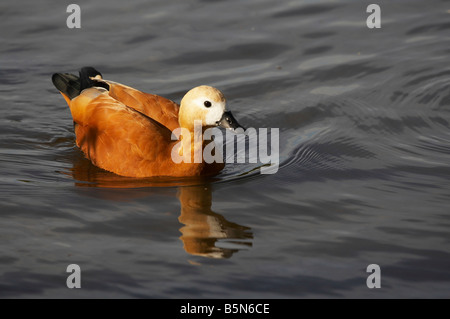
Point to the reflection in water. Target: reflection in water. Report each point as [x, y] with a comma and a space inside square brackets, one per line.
[203, 229]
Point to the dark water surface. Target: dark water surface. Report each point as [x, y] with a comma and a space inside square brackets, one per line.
[364, 172]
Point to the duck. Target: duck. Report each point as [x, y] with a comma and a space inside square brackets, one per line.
[129, 132]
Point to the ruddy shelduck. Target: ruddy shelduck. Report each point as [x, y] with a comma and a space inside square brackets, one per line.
[128, 132]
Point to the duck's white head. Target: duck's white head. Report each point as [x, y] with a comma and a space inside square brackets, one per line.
[207, 104]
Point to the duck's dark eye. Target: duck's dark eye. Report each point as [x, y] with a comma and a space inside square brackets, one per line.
[207, 104]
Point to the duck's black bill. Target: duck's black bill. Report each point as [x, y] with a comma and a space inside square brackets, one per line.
[228, 121]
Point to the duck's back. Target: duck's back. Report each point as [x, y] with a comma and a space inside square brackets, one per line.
[154, 106]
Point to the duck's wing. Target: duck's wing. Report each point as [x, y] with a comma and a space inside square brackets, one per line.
[154, 106]
[118, 138]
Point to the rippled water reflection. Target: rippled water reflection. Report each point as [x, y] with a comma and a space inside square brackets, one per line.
[364, 170]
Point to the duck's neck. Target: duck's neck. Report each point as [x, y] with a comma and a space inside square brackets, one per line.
[193, 144]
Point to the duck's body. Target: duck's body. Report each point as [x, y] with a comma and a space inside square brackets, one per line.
[128, 132]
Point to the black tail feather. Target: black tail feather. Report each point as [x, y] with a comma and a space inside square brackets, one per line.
[72, 85]
[68, 84]
[86, 74]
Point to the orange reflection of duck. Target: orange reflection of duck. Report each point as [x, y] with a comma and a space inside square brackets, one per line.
[205, 233]
[128, 132]
[204, 228]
